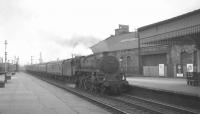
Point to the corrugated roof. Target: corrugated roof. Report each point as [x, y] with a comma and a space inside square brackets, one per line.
[118, 42]
[171, 19]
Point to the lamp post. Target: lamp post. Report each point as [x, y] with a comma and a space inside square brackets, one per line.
[5, 61]
[139, 52]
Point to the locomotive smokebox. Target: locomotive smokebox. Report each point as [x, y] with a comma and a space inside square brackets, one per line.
[109, 64]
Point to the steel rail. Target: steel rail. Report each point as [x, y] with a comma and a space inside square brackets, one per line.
[98, 102]
[164, 105]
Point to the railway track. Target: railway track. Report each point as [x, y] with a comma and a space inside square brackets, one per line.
[116, 107]
[155, 106]
[124, 104]
[112, 105]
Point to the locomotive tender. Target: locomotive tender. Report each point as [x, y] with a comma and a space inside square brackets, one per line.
[96, 72]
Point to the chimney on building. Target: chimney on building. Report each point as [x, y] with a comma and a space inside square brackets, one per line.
[123, 29]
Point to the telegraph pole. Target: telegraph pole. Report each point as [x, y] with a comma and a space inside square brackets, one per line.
[5, 60]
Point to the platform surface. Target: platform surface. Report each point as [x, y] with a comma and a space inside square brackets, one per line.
[24, 94]
[176, 85]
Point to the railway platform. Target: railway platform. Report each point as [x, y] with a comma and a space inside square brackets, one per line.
[24, 94]
[173, 85]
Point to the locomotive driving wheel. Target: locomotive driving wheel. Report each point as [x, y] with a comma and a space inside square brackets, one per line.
[84, 84]
[103, 89]
[87, 85]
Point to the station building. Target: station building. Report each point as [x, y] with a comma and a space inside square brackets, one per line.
[123, 45]
[173, 44]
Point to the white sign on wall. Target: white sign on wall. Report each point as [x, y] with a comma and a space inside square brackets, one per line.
[161, 70]
[190, 68]
[179, 70]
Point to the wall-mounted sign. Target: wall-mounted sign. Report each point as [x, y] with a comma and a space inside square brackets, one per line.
[189, 67]
[161, 70]
[179, 70]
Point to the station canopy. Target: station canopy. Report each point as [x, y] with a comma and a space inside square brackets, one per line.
[193, 32]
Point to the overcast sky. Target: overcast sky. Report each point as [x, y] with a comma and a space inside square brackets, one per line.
[58, 28]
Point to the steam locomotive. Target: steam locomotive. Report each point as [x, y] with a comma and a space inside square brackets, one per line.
[96, 72]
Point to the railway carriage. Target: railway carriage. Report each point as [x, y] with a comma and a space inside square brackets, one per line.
[42, 69]
[68, 70]
[96, 73]
[35, 68]
[54, 69]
